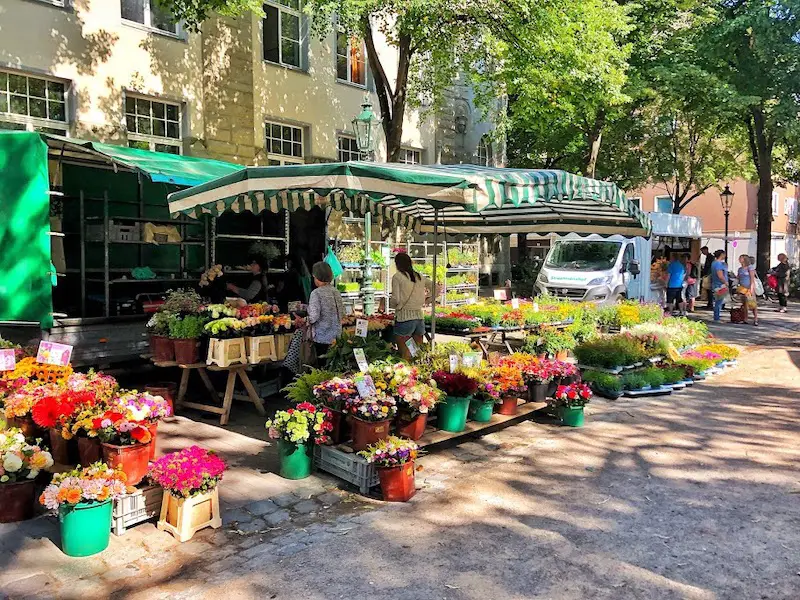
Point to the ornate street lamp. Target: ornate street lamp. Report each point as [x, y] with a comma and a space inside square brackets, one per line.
[726, 199]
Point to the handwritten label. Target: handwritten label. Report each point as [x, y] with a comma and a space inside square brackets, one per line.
[8, 360]
[453, 363]
[348, 309]
[365, 386]
[471, 359]
[361, 359]
[51, 353]
[362, 327]
[295, 306]
[412, 346]
[515, 303]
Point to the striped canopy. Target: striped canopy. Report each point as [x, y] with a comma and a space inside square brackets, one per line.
[468, 198]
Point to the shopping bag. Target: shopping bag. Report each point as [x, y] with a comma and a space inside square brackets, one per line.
[759, 287]
[334, 263]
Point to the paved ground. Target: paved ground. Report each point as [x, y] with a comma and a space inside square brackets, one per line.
[693, 495]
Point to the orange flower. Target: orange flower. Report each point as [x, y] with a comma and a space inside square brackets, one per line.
[103, 495]
[73, 495]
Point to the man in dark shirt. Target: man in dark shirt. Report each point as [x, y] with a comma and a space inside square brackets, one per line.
[708, 258]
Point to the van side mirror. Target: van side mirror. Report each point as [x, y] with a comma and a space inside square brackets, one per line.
[633, 267]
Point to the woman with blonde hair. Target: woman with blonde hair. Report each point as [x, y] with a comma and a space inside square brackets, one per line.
[746, 276]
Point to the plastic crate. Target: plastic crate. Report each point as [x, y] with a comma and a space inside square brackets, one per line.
[117, 232]
[142, 505]
[350, 467]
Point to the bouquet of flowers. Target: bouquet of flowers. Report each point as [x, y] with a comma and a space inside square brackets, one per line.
[509, 381]
[299, 424]
[561, 369]
[97, 482]
[658, 271]
[104, 387]
[259, 309]
[18, 459]
[217, 311]
[417, 398]
[140, 406]
[225, 328]
[390, 376]
[378, 407]
[11, 386]
[457, 385]
[335, 393]
[258, 325]
[21, 401]
[576, 394]
[283, 322]
[391, 452]
[210, 275]
[86, 422]
[114, 427]
[187, 473]
[54, 411]
[703, 355]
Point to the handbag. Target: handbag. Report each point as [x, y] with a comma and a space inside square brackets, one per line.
[759, 287]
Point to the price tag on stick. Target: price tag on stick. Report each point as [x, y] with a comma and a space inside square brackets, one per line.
[361, 359]
[362, 327]
[412, 346]
[8, 360]
[365, 386]
[51, 353]
[471, 359]
[515, 303]
[453, 363]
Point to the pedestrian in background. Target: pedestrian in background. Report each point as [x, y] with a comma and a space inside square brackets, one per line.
[746, 276]
[783, 273]
[719, 282]
[705, 276]
[676, 277]
[691, 281]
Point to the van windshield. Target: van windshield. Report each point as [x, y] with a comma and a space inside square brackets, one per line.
[583, 256]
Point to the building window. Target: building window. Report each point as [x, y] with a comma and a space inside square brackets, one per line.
[149, 14]
[663, 204]
[775, 201]
[637, 202]
[348, 148]
[282, 32]
[284, 144]
[32, 103]
[153, 125]
[484, 155]
[409, 156]
[793, 211]
[351, 63]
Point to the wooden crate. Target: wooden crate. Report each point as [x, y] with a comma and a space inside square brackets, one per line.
[141, 505]
[260, 348]
[183, 517]
[282, 341]
[225, 353]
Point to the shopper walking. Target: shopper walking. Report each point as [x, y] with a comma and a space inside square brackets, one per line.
[746, 276]
[783, 273]
[677, 275]
[719, 282]
[705, 275]
[691, 281]
[409, 293]
[325, 310]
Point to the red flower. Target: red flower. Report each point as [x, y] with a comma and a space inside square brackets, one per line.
[141, 434]
[307, 406]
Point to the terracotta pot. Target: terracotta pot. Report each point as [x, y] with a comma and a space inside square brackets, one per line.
[397, 483]
[166, 390]
[508, 406]
[153, 428]
[89, 451]
[29, 428]
[412, 429]
[16, 501]
[187, 351]
[163, 349]
[368, 432]
[562, 355]
[64, 452]
[341, 427]
[133, 459]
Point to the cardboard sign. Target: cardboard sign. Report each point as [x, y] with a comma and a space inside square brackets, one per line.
[412, 346]
[348, 309]
[8, 359]
[295, 306]
[515, 303]
[501, 294]
[362, 327]
[365, 386]
[361, 359]
[51, 353]
[453, 363]
[471, 359]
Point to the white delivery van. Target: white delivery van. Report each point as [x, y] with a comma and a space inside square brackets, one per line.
[606, 269]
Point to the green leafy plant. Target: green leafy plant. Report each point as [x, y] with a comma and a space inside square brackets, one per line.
[551, 340]
[350, 254]
[301, 389]
[341, 359]
[673, 374]
[186, 328]
[653, 375]
[603, 382]
[181, 302]
[634, 381]
[377, 259]
[609, 352]
[348, 287]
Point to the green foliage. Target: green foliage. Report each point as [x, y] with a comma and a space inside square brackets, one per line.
[340, 356]
[609, 352]
[604, 382]
[301, 389]
[377, 259]
[186, 328]
[549, 340]
[351, 254]
[673, 374]
[634, 381]
[348, 287]
[653, 375]
[194, 12]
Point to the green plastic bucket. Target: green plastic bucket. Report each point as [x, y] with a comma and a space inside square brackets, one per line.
[481, 410]
[85, 527]
[572, 416]
[295, 460]
[453, 414]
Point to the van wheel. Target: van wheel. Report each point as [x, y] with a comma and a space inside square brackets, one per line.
[617, 299]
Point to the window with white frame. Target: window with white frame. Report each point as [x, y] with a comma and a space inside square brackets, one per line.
[409, 156]
[284, 144]
[663, 204]
[149, 14]
[775, 201]
[347, 148]
[153, 125]
[637, 202]
[351, 64]
[484, 155]
[32, 103]
[282, 44]
[793, 209]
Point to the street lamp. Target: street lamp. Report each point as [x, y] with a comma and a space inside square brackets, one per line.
[726, 198]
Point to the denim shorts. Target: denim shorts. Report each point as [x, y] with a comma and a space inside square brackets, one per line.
[410, 328]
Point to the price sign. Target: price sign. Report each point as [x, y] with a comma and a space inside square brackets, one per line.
[412, 346]
[295, 306]
[453, 363]
[515, 303]
[361, 359]
[535, 307]
[501, 294]
[471, 359]
[365, 386]
[51, 353]
[348, 309]
[471, 300]
[8, 360]
[362, 327]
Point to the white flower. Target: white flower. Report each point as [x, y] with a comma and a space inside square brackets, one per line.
[12, 463]
[4, 478]
[33, 474]
[19, 438]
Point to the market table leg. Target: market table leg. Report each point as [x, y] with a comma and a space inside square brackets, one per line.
[251, 391]
[228, 400]
[182, 387]
[207, 382]
[484, 347]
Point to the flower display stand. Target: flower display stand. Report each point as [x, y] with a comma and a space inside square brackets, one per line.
[143, 504]
[260, 348]
[282, 341]
[183, 517]
[225, 353]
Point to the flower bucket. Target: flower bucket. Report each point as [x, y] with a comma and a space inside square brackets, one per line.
[89, 450]
[551, 388]
[413, 428]
[397, 483]
[295, 460]
[187, 351]
[132, 459]
[572, 416]
[29, 428]
[153, 429]
[163, 348]
[166, 390]
[562, 355]
[453, 414]
[64, 452]
[368, 432]
[16, 501]
[481, 410]
[537, 392]
[85, 527]
[341, 427]
[508, 406]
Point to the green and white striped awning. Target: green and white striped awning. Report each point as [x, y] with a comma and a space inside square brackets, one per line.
[467, 198]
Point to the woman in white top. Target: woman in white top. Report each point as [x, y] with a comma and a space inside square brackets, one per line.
[410, 291]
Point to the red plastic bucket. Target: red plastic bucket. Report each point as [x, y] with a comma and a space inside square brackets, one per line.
[412, 429]
[397, 483]
[133, 460]
[368, 432]
[508, 406]
[153, 428]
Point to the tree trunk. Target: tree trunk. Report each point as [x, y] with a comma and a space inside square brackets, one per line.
[594, 137]
[764, 229]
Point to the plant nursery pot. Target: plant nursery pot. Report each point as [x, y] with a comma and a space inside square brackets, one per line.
[64, 452]
[572, 416]
[163, 348]
[537, 392]
[368, 432]
[29, 428]
[551, 388]
[413, 428]
[85, 527]
[508, 406]
[166, 390]
[397, 483]
[562, 355]
[16, 501]
[295, 460]
[453, 414]
[481, 410]
[341, 427]
[89, 451]
[153, 429]
[132, 459]
[187, 351]
[183, 517]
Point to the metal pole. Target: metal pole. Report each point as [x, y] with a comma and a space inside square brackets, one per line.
[82, 229]
[435, 255]
[727, 214]
[368, 290]
[106, 258]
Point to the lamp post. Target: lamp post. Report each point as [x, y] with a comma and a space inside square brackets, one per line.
[726, 199]
[365, 127]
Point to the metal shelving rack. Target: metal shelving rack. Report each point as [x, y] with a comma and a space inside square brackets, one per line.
[241, 237]
[428, 251]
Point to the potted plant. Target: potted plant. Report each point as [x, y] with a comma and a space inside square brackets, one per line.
[295, 429]
[394, 460]
[569, 400]
[85, 426]
[226, 343]
[161, 346]
[54, 413]
[371, 417]
[510, 385]
[459, 389]
[538, 377]
[191, 497]
[20, 463]
[414, 402]
[605, 384]
[481, 406]
[125, 444]
[83, 498]
[144, 408]
[555, 342]
[332, 393]
[185, 334]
